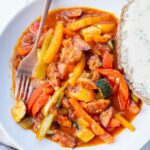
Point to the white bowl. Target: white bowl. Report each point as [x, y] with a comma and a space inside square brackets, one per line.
[26, 139]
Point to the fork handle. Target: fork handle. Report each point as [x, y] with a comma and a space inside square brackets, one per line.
[44, 15]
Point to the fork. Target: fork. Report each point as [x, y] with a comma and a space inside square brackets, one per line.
[23, 88]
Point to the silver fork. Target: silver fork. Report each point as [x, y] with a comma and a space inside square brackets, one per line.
[24, 72]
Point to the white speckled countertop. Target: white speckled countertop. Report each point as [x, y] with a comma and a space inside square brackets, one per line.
[8, 8]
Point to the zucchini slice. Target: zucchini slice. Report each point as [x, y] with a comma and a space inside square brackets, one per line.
[104, 88]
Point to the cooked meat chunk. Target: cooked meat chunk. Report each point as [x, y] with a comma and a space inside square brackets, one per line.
[85, 74]
[55, 125]
[70, 54]
[65, 103]
[80, 43]
[16, 61]
[100, 49]
[37, 119]
[26, 44]
[96, 49]
[67, 43]
[73, 13]
[71, 114]
[64, 139]
[65, 69]
[34, 27]
[87, 83]
[62, 68]
[28, 39]
[63, 121]
[97, 106]
[72, 51]
[95, 75]
[133, 108]
[107, 137]
[96, 117]
[114, 123]
[54, 75]
[35, 83]
[106, 116]
[94, 62]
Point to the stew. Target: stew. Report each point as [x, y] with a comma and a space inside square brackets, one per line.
[79, 96]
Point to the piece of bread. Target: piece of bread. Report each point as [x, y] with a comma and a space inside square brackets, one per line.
[133, 47]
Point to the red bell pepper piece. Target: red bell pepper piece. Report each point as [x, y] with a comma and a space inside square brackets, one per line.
[41, 40]
[34, 27]
[107, 61]
[123, 103]
[123, 87]
[39, 103]
[35, 94]
[115, 89]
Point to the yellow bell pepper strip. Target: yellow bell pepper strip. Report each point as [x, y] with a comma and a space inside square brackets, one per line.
[96, 128]
[85, 134]
[134, 98]
[124, 122]
[82, 94]
[89, 32]
[102, 39]
[123, 87]
[53, 100]
[41, 67]
[45, 126]
[55, 43]
[83, 123]
[106, 27]
[68, 32]
[77, 71]
[39, 50]
[74, 26]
